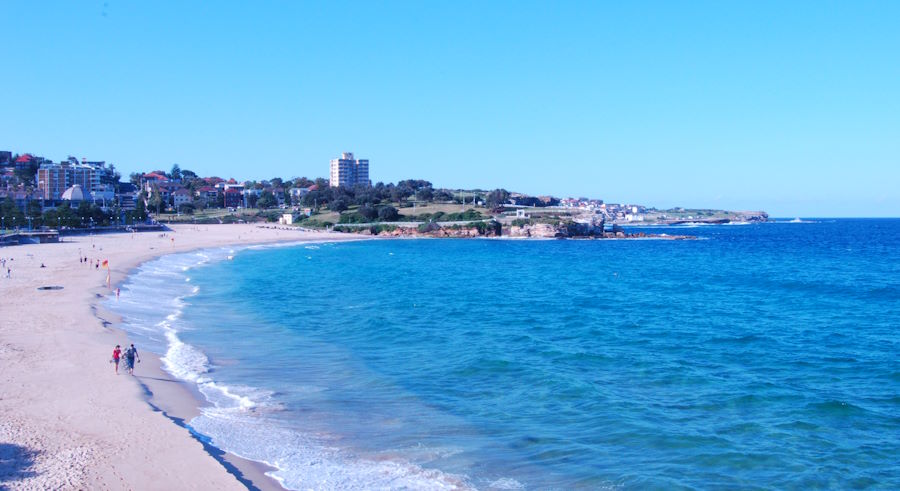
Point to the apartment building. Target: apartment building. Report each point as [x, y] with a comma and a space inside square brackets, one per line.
[348, 171]
[54, 179]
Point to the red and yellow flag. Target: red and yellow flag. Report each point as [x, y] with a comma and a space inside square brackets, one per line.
[105, 263]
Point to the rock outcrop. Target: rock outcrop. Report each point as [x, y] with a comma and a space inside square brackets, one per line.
[537, 230]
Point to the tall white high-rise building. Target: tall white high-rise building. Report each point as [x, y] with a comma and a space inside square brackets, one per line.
[347, 171]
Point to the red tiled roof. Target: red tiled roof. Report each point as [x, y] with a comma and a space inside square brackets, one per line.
[24, 158]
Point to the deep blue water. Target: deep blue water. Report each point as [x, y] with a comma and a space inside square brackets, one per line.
[761, 357]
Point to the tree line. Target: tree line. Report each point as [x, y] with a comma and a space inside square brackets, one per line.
[83, 215]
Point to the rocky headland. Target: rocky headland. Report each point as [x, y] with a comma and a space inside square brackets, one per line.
[589, 228]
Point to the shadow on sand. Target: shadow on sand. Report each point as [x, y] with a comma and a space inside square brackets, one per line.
[15, 463]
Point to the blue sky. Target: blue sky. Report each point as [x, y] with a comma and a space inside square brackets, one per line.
[791, 107]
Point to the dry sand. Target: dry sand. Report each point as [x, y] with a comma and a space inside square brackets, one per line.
[66, 420]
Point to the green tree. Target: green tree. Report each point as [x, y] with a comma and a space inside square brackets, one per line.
[34, 212]
[425, 194]
[266, 200]
[84, 212]
[11, 215]
[338, 205]
[368, 212]
[156, 201]
[26, 173]
[139, 214]
[111, 176]
[388, 214]
[251, 200]
[497, 198]
[176, 172]
[61, 216]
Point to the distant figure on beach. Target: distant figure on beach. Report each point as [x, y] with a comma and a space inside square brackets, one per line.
[117, 292]
[8, 272]
[130, 354]
[117, 353]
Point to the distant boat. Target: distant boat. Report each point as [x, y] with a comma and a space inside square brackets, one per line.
[796, 220]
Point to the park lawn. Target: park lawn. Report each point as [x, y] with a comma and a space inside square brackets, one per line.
[210, 213]
[326, 216]
[436, 207]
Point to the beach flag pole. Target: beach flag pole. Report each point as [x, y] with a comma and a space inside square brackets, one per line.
[106, 265]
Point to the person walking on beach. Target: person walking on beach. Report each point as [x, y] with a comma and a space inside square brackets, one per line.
[130, 354]
[117, 353]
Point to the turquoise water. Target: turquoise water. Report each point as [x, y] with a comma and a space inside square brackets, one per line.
[763, 357]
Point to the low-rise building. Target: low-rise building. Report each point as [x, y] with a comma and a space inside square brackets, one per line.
[181, 197]
[298, 193]
[234, 198]
[208, 192]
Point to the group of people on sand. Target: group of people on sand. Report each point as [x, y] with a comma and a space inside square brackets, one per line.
[129, 355]
[95, 263]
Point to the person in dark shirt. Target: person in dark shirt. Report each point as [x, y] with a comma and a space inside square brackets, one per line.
[130, 354]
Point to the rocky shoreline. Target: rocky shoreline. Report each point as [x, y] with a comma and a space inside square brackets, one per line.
[591, 229]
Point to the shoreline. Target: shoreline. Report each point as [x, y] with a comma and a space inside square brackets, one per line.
[180, 401]
[68, 422]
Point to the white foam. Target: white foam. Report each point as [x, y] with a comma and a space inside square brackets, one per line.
[307, 462]
[241, 419]
[506, 483]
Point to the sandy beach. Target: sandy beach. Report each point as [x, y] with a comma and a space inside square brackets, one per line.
[69, 422]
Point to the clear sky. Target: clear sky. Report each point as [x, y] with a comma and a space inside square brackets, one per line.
[792, 107]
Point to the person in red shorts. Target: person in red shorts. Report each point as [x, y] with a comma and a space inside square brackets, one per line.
[117, 353]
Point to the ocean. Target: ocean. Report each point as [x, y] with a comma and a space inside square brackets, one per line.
[762, 356]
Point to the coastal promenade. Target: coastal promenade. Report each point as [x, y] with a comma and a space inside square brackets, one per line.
[68, 421]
